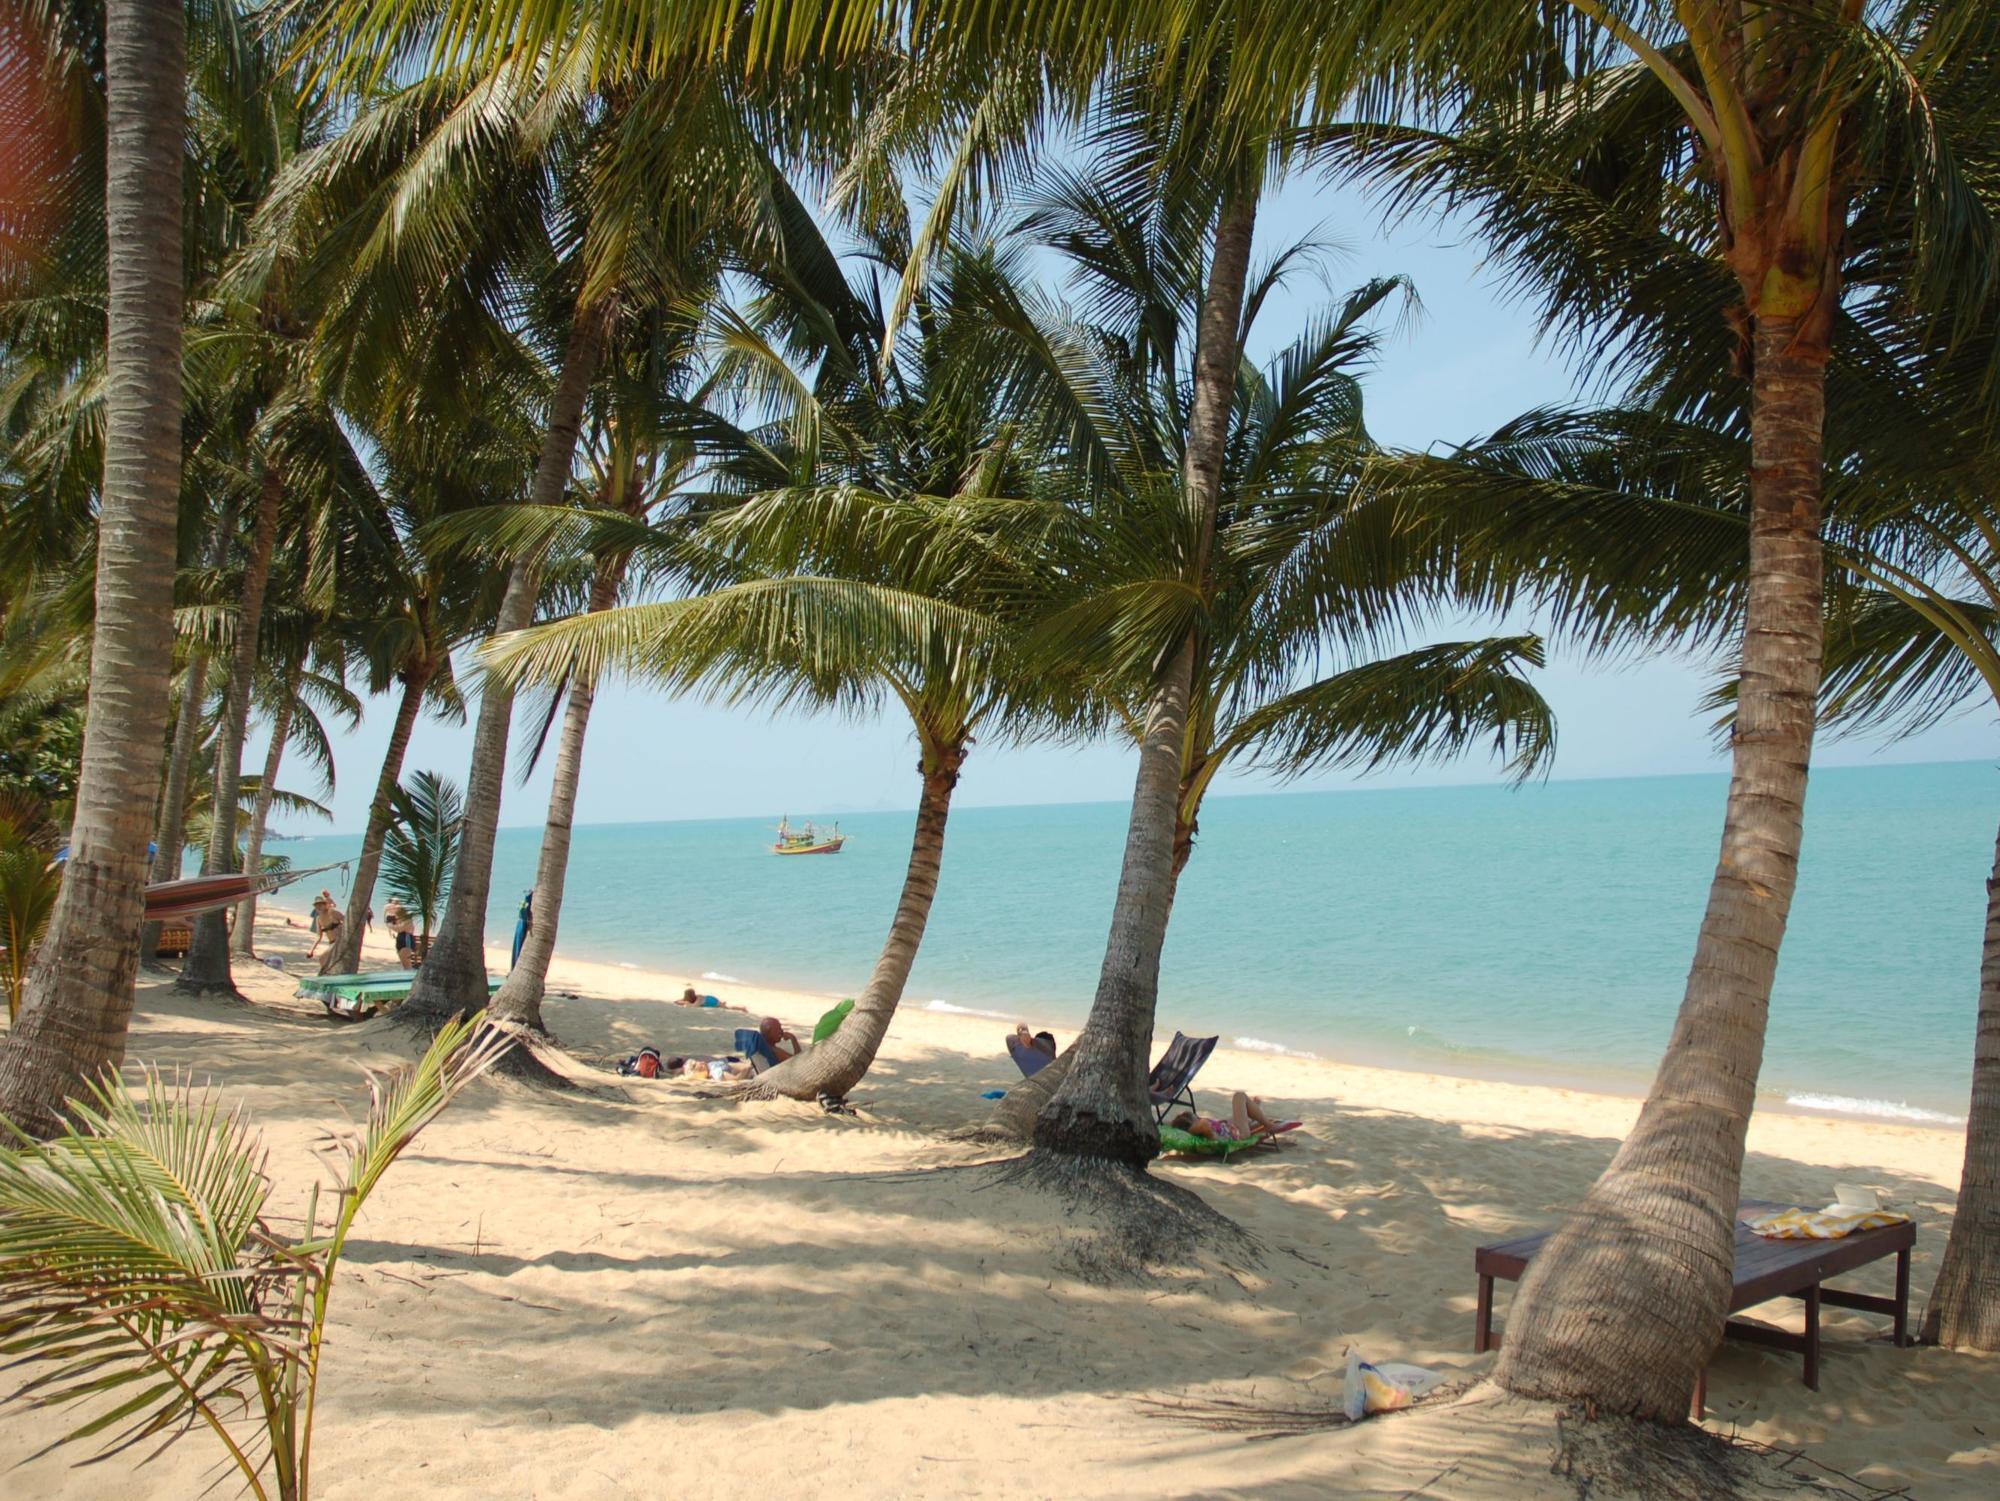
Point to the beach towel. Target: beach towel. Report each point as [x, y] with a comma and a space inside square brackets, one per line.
[1830, 1223]
[830, 1023]
[1186, 1144]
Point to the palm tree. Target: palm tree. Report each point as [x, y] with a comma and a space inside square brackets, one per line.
[290, 697]
[29, 879]
[1679, 191]
[79, 995]
[422, 848]
[530, 182]
[206, 970]
[869, 562]
[1304, 585]
[637, 472]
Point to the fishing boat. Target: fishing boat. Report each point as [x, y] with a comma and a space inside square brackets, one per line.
[807, 841]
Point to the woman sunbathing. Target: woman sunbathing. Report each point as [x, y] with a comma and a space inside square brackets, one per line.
[1247, 1121]
[717, 1069]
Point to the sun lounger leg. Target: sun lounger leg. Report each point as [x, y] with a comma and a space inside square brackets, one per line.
[1903, 1297]
[1482, 1326]
[1812, 1337]
[1700, 1395]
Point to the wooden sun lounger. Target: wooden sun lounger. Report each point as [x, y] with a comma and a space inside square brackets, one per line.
[1765, 1269]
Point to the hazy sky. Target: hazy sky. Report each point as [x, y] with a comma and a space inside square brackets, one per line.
[1465, 364]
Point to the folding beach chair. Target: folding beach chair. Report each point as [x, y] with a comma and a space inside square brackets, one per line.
[1170, 1083]
[750, 1043]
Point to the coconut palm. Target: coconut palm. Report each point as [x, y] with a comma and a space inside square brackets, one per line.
[606, 182]
[79, 994]
[136, 1260]
[1307, 582]
[422, 848]
[29, 878]
[1679, 194]
[639, 469]
[870, 561]
[294, 697]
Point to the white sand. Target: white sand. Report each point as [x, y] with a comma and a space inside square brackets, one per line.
[670, 1295]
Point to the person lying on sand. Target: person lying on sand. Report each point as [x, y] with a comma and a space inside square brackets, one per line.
[689, 998]
[1247, 1121]
[717, 1069]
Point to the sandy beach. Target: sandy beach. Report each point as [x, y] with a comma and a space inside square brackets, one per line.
[650, 1292]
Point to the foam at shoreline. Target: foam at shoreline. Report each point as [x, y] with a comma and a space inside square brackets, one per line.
[1887, 1110]
[1448, 1064]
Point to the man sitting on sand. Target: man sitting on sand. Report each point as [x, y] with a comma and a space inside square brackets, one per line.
[781, 1043]
[1247, 1121]
[1031, 1051]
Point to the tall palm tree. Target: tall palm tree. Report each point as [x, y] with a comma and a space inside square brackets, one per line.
[1307, 582]
[80, 994]
[640, 468]
[605, 179]
[304, 683]
[869, 560]
[1678, 186]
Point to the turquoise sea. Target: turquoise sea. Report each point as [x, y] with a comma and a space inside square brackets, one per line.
[1542, 932]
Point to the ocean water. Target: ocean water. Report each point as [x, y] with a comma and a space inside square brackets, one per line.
[1543, 932]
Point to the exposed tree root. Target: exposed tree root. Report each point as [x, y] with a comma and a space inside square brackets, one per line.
[535, 1059]
[1556, 1452]
[226, 992]
[1126, 1224]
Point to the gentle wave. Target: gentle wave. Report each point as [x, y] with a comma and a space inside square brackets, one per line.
[713, 974]
[948, 1009]
[1891, 1110]
[1259, 1045]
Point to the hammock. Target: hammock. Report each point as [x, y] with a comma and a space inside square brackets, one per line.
[168, 900]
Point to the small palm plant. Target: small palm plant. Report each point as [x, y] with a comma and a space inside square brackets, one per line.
[29, 880]
[138, 1274]
[422, 846]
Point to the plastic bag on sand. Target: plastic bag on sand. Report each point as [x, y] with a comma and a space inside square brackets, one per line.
[1384, 1387]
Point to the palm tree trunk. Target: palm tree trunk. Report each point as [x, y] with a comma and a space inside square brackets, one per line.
[836, 1065]
[207, 966]
[244, 939]
[1965, 1301]
[453, 977]
[519, 1000]
[1624, 1306]
[170, 833]
[1101, 1111]
[416, 679]
[1013, 1118]
[79, 999]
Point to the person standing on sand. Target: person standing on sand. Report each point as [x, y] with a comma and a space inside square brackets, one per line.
[396, 918]
[313, 922]
[329, 928]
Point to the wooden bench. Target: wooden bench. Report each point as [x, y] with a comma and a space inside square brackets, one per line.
[1765, 1269]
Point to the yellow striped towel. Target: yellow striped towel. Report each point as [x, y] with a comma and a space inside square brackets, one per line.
[1830, 1223]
